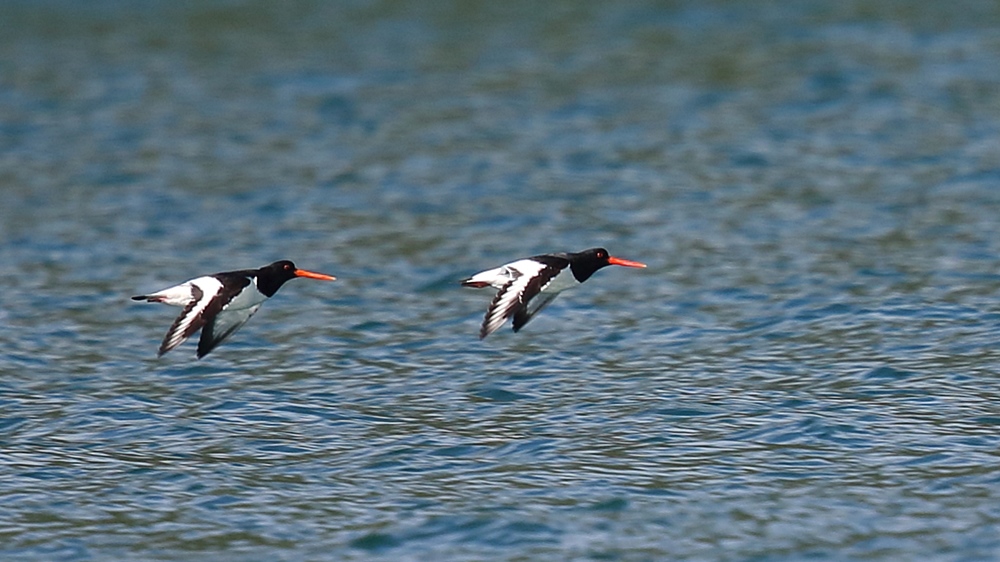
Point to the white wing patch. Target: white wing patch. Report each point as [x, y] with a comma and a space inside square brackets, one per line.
[200, 293]
[511, 295]
[182, 295]
[496, 277]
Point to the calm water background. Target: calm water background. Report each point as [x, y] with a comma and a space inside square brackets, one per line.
[807, 370]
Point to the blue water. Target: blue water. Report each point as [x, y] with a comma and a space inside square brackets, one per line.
[808, 369]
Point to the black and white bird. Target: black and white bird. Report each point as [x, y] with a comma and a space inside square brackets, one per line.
[219, 304]
[526, 286]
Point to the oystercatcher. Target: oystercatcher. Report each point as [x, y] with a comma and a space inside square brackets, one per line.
[526, 286]
[219, 304]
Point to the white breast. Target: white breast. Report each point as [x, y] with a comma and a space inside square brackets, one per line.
[248, 298]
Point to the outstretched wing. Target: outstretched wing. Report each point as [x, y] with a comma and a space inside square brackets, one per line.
[192, 318]
[524, 314]
[528, 278]
[221, 317]
[225, 323]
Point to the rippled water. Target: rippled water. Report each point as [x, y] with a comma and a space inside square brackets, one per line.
[807, 370]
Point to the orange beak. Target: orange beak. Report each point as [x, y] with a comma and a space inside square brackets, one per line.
[311, 275]
[627, 263]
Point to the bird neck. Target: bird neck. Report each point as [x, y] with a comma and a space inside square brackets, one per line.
[583, 270]
[268, 285]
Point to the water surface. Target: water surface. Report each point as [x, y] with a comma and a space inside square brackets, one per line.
[807, 369]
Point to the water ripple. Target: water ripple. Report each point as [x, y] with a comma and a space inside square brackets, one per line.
[806, 369]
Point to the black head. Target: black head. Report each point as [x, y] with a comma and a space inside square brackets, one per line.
[586, 263]
[271, 277]
[284, 270]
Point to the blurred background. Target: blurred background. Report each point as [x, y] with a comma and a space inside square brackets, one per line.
[807, 369]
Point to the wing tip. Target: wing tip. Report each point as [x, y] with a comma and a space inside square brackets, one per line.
[205, 343]
[169, 345]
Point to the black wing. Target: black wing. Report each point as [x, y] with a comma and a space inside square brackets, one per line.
[513, 298]
[524, 314]
[221, 327]
[232, 284]
[189, 321]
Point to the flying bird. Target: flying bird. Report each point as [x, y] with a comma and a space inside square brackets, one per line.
[527, 285]
[219, 304]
